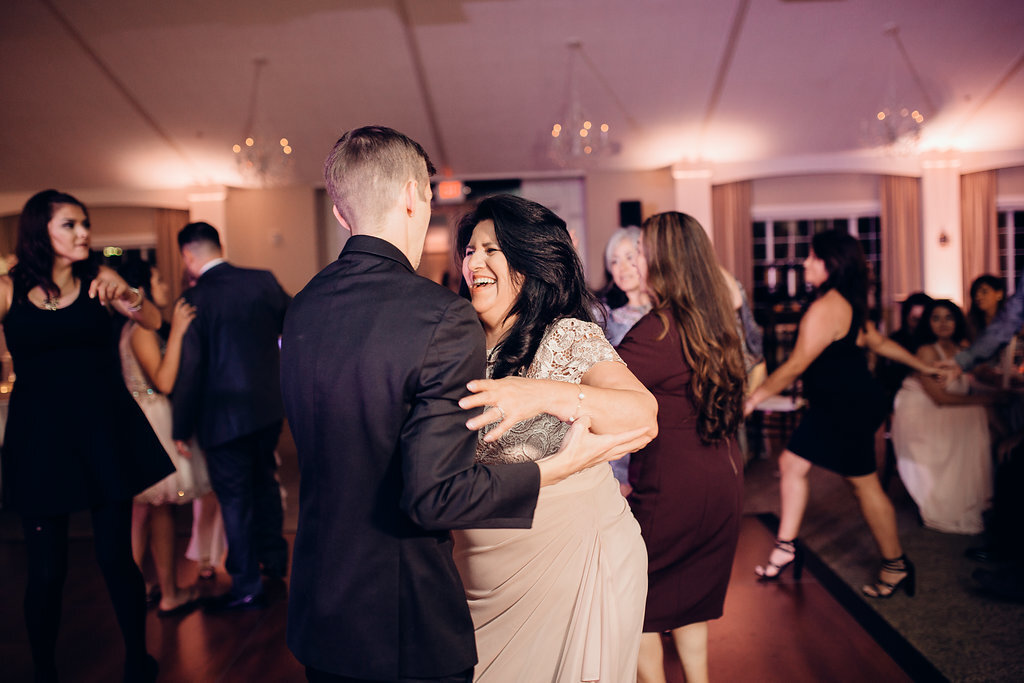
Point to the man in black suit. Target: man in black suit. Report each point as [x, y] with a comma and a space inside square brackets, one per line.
[374, 361]
[228, 395]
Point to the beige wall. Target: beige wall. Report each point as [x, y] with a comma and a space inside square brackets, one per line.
[815, 189]
[1010, 182]
[275, 229]
[604, 191]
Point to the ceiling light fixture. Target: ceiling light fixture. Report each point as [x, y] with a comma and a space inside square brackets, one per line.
[577, 136]
[263, 160]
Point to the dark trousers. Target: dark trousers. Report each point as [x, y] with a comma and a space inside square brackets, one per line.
[316, 676]
[46, 541]
[242, 472]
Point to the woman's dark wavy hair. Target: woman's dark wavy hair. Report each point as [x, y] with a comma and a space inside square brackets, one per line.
[137, 273]
[847, 270]
[976, 316]
[923, 333]
[543, 261]
[688, 291]
[35, 250]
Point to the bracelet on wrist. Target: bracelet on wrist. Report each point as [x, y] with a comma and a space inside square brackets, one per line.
[579, 405]
[136, 305]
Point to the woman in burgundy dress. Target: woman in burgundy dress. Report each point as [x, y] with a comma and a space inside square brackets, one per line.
[688, 482]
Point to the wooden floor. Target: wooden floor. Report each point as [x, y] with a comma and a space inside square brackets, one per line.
[770, 632]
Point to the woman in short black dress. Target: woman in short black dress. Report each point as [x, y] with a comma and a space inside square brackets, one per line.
[75, 438]
[846, 407]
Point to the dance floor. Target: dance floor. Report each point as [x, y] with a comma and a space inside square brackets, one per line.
[791, 631]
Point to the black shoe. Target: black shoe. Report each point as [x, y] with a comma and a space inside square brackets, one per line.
[772, 571]
[883, 589]
[229, 602]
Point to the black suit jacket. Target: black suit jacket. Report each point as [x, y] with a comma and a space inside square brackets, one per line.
[374, 361]
[229, 381]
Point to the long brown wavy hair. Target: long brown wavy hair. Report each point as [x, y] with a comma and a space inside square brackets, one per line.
[688, 290]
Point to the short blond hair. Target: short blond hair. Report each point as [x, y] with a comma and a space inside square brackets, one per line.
[366, 170]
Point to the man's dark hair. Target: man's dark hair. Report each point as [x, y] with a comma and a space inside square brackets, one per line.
[199, 232]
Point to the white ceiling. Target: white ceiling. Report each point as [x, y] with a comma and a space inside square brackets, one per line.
[137, 95]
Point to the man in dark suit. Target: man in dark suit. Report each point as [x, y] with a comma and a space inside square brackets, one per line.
[374, 361]
[228, 395]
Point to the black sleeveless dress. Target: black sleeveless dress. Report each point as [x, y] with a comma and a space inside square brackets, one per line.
[75, 438]
[846, 408]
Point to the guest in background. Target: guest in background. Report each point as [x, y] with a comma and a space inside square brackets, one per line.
[846, 408]
[625, 301]
[890, 373]
[688, 482]
[988, 293]
[941, 434]
[150, 367]
[625, 297]
[75, 439]
[228, 396]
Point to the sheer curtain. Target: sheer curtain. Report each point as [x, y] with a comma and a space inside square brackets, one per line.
[733, 230]
[902, 272]
[979, 227]
[168, 257]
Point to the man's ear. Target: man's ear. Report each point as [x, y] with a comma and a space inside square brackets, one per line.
[341, 220]
[409, 196]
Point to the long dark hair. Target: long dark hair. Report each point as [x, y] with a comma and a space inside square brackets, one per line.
[923, 333]
[138, 273]
[975, 315]
[847, 271]
[541, 255]
[688, 291]
[35, 249]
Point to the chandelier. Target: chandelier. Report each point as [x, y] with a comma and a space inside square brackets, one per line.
[263, 160]
[898, 122]
[578, 137]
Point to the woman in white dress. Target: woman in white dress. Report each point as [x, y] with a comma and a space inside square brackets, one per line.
[150, 368]
[564, 600]
[941, 434]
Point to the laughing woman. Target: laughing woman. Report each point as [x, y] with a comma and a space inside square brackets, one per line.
[75, 438]
[564, 600]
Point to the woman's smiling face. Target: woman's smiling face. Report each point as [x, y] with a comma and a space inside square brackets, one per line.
[492, 287]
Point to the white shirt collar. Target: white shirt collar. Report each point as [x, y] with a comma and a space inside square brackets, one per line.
[210, 264]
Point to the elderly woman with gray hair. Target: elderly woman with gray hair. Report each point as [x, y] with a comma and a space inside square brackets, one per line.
[626, 297]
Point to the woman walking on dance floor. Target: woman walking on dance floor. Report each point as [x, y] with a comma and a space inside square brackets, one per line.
[846, 408]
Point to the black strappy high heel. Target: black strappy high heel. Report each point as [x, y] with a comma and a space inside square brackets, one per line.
[884, 589]
[791, 547]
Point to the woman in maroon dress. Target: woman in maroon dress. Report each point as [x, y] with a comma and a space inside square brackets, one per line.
[688, 482]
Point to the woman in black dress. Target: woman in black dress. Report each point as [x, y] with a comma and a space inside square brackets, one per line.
[846, 408]
[75, 438]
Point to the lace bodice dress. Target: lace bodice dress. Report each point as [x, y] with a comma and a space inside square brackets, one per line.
[190, 479]
[562, 601]
[567, 351]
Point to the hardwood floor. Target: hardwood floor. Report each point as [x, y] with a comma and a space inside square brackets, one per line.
[791, 631]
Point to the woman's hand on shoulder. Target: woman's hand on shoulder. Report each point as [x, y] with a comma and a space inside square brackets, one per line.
[184, 313]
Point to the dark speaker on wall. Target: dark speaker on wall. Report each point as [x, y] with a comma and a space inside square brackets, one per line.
[629, 213]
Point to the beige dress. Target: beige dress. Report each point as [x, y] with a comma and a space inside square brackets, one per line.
[564, 600]
[190, 479]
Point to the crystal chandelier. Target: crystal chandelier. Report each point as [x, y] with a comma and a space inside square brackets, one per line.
[263, 160]
[897, 125]
[577, 136]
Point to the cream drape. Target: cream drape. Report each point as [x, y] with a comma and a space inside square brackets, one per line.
[168, 257]
[902, 272]
[979, 227]
[733, 230]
